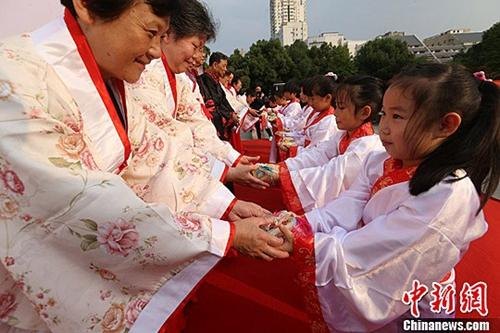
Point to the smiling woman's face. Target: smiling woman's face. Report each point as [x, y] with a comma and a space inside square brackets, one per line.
[124, 46]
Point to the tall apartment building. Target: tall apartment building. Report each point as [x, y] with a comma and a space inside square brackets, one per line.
[288, 20]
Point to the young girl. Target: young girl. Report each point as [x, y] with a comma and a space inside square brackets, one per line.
[320, 124]
[320, 174]
[412, 211]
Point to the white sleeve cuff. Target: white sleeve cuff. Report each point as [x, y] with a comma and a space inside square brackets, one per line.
[218, 169]
[218, 202]
[232, 156]
[221, 231]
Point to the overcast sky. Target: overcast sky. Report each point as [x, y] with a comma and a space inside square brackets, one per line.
[244, 21]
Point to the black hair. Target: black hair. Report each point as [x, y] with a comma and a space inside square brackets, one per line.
[322, 86]
[362, 90]
[251, 93]
[235, 80]
[306, 86]
[109, 10]
[437, 89]
[193, 19]
[279, 93]
[293, 87]
[216, 57]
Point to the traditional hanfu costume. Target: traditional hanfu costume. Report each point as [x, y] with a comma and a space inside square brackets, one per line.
[360, 253]
[320, 174]
[80, 251]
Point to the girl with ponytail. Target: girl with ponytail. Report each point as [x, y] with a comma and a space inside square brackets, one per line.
[413, 210]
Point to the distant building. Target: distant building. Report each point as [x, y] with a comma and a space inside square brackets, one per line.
[449, 43]
[442, 47]
[288, 20]
[335, 39]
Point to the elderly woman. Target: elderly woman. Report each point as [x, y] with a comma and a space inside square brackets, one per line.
[190, 27]
[80, 250]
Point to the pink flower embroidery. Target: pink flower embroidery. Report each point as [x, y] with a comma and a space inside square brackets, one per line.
[105, 294]
[143, 149]
[118, 237]
[107, 275]
[72, 145]
[71, 123]
[12, 182]
[7, 305]
[188, 224]
[113, 320]
[8, 207]
[9, 261]
[159, 144]
[88, 160]
[132, 311]
[35, 113]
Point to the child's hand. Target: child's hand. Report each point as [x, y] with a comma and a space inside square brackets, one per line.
[268, 173]
[288, 239]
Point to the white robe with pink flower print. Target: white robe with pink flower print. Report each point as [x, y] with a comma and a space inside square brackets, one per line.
[79, 250]
[197, 129]
[166, 166]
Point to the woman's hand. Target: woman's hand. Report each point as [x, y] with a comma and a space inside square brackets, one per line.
[251, 240]
[248, 160]
[243, 174]
[244, 209]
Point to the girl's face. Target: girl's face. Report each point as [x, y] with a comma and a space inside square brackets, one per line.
[320, 103]
[346, 116]
[281, 101]
[398, 108]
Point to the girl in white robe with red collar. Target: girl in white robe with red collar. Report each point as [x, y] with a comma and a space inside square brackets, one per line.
[318, 175]
[320, 125]
[413, 210]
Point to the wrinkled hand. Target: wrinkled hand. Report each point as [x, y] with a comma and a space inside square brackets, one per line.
[251, 240]
[243, 174]
[244, 209]
[245, 160]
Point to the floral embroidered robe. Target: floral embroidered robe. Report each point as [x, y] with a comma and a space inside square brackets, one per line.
[79, 250]
[165, 165]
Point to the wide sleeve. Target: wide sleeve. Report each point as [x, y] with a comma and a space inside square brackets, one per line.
[165, 165]
[317, 186]
[293, 117]
[366, 271]
[320, 132]
[315, 156]
[205, 137]
[88, 222]
[347, 210]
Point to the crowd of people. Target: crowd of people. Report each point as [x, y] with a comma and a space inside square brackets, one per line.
[118, 151]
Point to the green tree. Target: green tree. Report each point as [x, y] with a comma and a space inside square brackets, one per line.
[302, 65]
[485, 55]
[238, 65]
[268, 63]
[328, 58]
[383, 57]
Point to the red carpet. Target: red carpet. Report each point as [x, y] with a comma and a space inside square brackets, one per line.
[247, 296]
